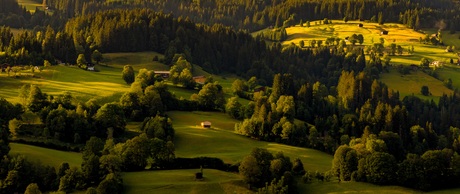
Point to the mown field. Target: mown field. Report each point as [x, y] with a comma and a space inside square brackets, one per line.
[46, 156]
[412, 83]
[220, 141]
[31, 5]
[400, 35]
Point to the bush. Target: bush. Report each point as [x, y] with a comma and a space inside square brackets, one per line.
[425, 91]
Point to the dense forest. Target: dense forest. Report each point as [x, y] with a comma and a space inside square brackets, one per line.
[375, 135]
[254, 15]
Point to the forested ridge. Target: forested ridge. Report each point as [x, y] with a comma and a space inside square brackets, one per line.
[332, 90]
[255, 15]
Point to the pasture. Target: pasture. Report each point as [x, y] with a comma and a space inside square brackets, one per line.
[45, 155]
[398, 34]
[220, 141]
[412, 83]
[183, 181]
[104, 85]
[31, 5]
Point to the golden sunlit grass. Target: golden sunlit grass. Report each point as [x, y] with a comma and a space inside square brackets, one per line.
[30, 5]
[411, 84]
[183, 181]
[220, 141]
[45, 155]
[398, 34]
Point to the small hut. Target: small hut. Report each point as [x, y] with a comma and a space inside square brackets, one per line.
[90, 66]
[206, 124]
[163, 74]
[384, 32]
[360, 25]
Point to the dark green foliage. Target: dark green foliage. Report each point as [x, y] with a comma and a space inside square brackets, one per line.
[32, 188]
[158, 127]
[210, 97]
[297, 167]
[234, 108]
[128, 74]
[111, 184]
[110, 115]
[378, 168]
[425, 91]
[345, 162]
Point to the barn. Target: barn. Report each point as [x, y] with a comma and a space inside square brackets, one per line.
[206, 124]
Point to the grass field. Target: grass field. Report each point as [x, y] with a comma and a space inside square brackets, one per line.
[398, 34]
[220, 141]
[183, 181]
[412, 83]
[45, 155]
[106, 85]
[31, 5]
[453, 73]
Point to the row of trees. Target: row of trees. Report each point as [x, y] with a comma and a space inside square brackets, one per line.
[254, 15]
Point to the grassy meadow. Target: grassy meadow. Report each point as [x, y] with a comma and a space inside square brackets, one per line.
[45, 155]
[412, 83]
[220, 141]
[183, 181]
[400, 35]
[31, 5]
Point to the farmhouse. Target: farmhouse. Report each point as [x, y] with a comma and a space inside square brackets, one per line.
[163, 74]
[384, 32]
[206, 124]
[90, 67]
[199, 79]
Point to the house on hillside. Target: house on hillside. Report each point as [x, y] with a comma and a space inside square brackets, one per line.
[199, 79]
[90, 66]
[163, 74]
[384, 32]
[206, 124]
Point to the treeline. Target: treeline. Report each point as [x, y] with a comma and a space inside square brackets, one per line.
[216, 48]
[34, 47]
[15, 16]
[382, 132]
[254, 15]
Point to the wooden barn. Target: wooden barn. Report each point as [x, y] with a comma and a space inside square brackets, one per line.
[163, 74]
[206, 124]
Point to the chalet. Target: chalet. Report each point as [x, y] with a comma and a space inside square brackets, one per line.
[90, 66]
[360, 25]
[199, 79]
[206, 124]
[163, 74]
[384, 32]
